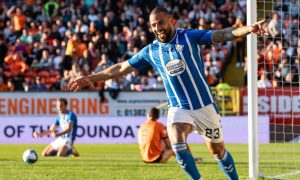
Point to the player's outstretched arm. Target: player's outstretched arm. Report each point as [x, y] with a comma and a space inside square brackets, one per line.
[112, 72]
[231, 33]
[44, 133]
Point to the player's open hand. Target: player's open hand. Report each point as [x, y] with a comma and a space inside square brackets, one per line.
[36, 134]
[53, 134]
[259, 28]
[78, 83]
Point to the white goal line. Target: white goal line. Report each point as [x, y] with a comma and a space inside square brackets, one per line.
[282, 175]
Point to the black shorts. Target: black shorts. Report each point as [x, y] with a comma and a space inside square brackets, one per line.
[155, 161]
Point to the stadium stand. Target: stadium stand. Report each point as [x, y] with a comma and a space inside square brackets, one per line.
[54, 41]
[279, 61]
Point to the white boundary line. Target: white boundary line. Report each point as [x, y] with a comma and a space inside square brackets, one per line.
[283, 175]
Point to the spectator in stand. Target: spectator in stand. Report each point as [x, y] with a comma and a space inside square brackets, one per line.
[284, 67]
[71, 48]
[103, 63]
[274, 26]
[3, 86]
[85, 70]
[264, 82]
[20, 47]
[65, 81]
[275, 83]
[213, 70]
[288, 80]
[51, 8]
[274, 54]
[29, 86]
[74, 72]
[159, 84]
[210, 78]
[15, 63]
[143, 40]
[57, 59]
[113, 87]
[26, 37]
[92, 54]
[81, 28]
[45, 62]
[152, 81]
[133, 79]
[143, 85]
[34, 67]
[129, 53]
[33, 30]
[109, 47]
[19, 19]
[39, 85]
[10, 85]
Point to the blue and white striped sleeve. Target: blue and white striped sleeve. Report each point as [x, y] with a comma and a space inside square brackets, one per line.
[201, 37]
[138, 61]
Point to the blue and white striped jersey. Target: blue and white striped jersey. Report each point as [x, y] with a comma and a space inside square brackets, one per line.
[63, 119]
[181, 66]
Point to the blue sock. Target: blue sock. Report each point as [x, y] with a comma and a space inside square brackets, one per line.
[227, 165]
[186, 160]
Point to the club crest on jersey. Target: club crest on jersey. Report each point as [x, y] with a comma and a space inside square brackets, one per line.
[178, 47]
[175, 67]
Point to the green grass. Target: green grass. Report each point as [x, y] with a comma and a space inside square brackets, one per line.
[117, 162]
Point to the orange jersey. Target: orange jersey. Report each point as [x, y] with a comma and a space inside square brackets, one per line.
[19, 22]
[71, 47]
[150, 136]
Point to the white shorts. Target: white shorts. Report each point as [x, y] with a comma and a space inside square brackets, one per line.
[60, 142]
[206, 121]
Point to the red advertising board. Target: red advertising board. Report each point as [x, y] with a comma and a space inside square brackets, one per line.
[281, 104]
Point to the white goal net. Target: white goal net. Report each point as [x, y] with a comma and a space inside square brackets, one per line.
[279, 88]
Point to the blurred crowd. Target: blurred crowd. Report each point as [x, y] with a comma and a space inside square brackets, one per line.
[46, 43]
[279, 53]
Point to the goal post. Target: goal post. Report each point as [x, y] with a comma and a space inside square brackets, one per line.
[252, 93]
[273, 89]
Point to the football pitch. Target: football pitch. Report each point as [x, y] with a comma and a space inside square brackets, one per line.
[120, 161]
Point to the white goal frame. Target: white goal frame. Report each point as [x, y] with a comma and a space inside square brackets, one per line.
[252, 93]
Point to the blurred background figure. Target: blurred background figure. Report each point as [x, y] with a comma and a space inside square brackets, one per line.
[63, 145]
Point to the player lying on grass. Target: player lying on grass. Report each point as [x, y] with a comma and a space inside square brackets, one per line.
[64, 143]
[176, 55]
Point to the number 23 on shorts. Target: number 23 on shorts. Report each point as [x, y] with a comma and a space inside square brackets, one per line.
[212, 133]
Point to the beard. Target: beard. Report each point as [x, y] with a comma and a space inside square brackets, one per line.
[166, 36]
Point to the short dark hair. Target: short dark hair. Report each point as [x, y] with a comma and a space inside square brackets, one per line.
[63, 100]
[153, 113]
[160, 9]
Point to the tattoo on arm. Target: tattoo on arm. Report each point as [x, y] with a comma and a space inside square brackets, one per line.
[229, 34]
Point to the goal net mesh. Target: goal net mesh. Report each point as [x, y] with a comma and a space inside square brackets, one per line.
[278, 88]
